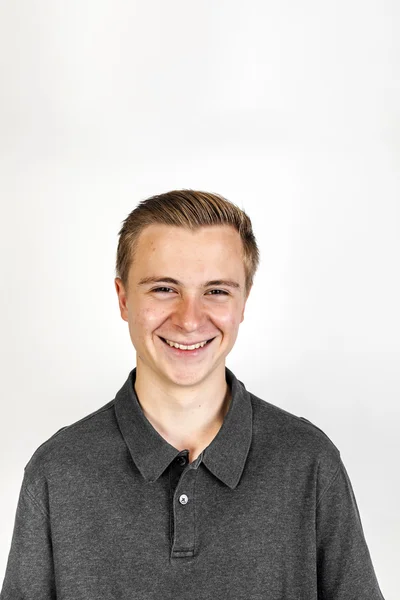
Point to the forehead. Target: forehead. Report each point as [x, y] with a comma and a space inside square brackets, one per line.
[217, 246]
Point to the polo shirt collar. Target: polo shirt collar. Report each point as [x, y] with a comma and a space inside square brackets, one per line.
[225, 456]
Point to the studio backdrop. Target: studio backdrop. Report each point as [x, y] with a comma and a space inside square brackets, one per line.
[290, 110]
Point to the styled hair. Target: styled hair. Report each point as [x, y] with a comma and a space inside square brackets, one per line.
[190, 209]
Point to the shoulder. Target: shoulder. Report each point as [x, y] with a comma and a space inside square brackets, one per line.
[285, 423]
[294, 439]
[66, 447]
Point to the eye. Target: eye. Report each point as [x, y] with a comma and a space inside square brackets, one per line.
[162, 289]
[222, 292]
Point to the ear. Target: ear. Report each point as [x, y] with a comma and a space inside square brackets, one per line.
[122, 298]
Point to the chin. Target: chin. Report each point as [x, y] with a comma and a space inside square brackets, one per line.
[185, 376]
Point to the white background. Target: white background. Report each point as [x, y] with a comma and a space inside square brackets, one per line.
[289, 109]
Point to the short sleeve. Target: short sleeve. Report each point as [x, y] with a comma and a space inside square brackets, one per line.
[344, 565]
[30, 574]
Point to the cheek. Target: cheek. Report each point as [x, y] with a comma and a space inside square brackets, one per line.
[228, 318]
[147, 318]
[141, 322]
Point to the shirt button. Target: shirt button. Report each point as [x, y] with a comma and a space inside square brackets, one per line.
[183, 499]
[181, 460]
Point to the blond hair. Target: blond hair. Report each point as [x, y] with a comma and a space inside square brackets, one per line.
[190, 209]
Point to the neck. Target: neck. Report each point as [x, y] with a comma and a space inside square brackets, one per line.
[187, 417]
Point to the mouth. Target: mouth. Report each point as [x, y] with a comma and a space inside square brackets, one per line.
[180, 352]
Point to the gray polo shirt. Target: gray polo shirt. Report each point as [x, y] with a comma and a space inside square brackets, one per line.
[109, 510]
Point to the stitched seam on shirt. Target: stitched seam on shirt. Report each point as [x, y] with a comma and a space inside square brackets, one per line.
[335, 475]
[171, 508]
[108, 406]
[36, 503]
[194, 511]
[302, 420]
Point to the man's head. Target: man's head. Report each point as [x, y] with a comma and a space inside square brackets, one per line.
[185, 266]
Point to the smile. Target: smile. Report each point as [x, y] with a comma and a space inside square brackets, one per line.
[186, 348]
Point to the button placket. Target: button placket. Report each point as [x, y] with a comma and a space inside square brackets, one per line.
[177, 467]
[184, 516]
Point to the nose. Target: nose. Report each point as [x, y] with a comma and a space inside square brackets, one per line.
[189, 314]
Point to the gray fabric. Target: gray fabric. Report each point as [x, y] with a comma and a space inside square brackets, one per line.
[270, 512]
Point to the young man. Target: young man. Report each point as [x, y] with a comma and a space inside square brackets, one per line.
[186, 485]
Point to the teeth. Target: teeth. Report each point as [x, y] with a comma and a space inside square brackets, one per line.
[175, 345]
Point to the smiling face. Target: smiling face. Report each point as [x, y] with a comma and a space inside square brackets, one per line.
[185, 287]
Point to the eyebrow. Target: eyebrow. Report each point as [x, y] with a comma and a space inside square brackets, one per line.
[162, 279]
